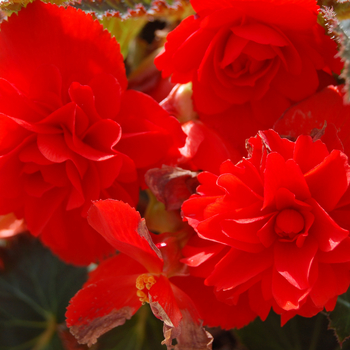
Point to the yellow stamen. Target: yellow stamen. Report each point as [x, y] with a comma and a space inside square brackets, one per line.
[142, 296]
[142, 282]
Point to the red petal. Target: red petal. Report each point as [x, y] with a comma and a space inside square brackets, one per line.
[107, 95]
[339, 254]
[265, 10]
[11, 134]
[195, 256]
[103, 136]
[109, 170]
[69, 236]
[308, 153]
[285, 294]
[17, 106]
[175, 39]
[267, 233]
[245, 230]
[112, 285]
[38, 211]
[46, 87]
[245, 265]
[213, 312]
[297, 86]
[65, 37]
[275, 143]
[261, 34]
[280, 173]
[325, 287]
[204, 149]
[108, 295]
[294, 263]
[238, 190]
[143, 121]
[164, 302]
[329, 180]
[325, 230]
[258, 303]
[122, 226]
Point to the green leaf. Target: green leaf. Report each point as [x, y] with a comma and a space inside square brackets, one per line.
[297, 334]
[124, 31]
[15, 5]
[130, 8]
[35, 289]
[339, 318]
[340, 30]
[125, 19]
[142, 332]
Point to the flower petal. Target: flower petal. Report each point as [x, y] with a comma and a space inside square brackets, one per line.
[325, 230]
[245, 265]
[105, 301]
[294, 263]
[122, 226]
[78, 46]
[329, 180]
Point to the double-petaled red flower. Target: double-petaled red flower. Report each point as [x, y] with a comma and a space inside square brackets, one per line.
[274, 227]
[249, 60]
[70, 131]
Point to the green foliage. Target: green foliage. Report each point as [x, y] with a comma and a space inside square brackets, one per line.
[343, 29]
[340, 30]
[297, 334]
[339, 318]
[124, 31]
[35, 288]
[131, 8]
[142, 332]
[15, 5]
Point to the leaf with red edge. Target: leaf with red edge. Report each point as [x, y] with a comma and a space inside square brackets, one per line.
[341, 29]
[135, 8]
[339, 318]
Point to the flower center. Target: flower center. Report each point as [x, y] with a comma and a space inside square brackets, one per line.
[142, 282]
[289, 223]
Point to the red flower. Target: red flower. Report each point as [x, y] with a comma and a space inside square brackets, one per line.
[121, 284]
[278, 226]
[70, 132]
[248, 61]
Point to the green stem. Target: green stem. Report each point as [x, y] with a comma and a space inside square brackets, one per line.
[140, 326]
[45, 338]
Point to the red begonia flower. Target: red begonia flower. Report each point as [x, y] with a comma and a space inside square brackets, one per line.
[249, 61]
[276, 226]
[121, 284]
[70, 132]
